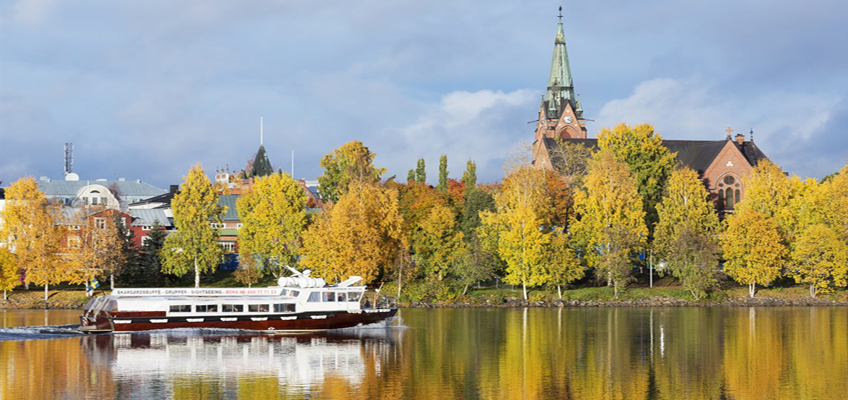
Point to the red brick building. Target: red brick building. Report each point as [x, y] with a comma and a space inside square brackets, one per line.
[721, 164]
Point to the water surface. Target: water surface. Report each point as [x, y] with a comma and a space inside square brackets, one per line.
[539, 353]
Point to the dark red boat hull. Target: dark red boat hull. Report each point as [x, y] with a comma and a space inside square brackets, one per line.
[314, 321]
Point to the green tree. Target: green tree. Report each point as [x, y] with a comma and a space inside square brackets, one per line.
[10, 272]
[753, 249]
[420, 172]
[693, 259]
[352, 162]
[686, 236]
[611, 227]
[651, 162]
[469, 177]
[150, 255]
[476, 201]
[273, 219]
[438, 245]
[820, 258]
[195, 244]
[477, 265]
[443, 173]
[29, 227]
[410, 177]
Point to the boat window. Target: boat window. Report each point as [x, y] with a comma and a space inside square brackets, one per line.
[232, 307]
[329, 296]
[258, 308]
[111, 306]
[206, 308]
[314, 297]
[91, 303]
[341, 297]
[354, 296]
[294, 293]
[284, 307]
[180, 308]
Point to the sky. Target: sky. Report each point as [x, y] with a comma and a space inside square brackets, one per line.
[146, 89]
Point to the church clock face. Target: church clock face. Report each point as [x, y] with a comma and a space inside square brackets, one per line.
[567, 119]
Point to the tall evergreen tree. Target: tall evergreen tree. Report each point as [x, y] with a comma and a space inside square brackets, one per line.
[420, 172]
[469, 177]
[443, 173]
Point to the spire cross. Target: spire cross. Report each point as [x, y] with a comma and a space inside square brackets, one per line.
[560, 12]
[729, 131]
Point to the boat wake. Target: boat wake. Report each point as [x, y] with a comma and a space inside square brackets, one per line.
[39, 332]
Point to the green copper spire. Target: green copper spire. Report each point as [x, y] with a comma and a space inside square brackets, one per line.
[560, 85]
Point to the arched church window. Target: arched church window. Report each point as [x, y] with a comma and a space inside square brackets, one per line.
[729, 195]
[738, 197]
[729, 180]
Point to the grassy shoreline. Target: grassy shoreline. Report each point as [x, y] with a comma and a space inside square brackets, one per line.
[663, 294]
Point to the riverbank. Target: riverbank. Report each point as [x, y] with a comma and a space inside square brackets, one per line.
[669, 296]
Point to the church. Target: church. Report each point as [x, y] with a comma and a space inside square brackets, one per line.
[721, 164]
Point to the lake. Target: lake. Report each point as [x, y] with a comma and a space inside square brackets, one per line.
[535, 353]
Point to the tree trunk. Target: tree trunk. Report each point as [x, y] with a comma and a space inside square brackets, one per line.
[615, 291]
[751, 287]
[112, 281]
[45, 292]
[196, 274]
[465, 290]
[559, 291]
[4, 295]
[524, 288]
[812, 290]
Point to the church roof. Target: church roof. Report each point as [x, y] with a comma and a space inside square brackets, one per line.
[261, 164]
[695, 154]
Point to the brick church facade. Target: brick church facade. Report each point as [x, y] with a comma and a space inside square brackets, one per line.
[721, 164]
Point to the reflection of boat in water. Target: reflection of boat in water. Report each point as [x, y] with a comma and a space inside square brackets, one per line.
[299, 303]
[296, 361]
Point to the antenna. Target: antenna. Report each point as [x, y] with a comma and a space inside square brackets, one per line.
[261, 131]
[69, 158]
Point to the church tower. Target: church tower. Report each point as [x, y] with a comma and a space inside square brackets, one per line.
[560, 114]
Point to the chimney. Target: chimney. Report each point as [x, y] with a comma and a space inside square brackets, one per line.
[740, 138]
[175, 188]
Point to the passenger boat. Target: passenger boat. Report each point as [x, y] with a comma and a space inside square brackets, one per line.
[298, 304]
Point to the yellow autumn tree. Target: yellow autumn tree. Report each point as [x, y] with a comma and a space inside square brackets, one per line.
[94, 245]
[360, 235]
[10, 273]
[29, 227]
[611, 226]
[753, 249]
[517, 225]
[194, 246]
[686, 236]
[769, 192]
[820, 259]
[273, 219]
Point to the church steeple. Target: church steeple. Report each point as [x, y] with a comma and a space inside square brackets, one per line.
[561, 114]
[560, 84]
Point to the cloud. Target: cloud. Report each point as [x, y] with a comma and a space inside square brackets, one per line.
[482, 126]
[785, 123]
